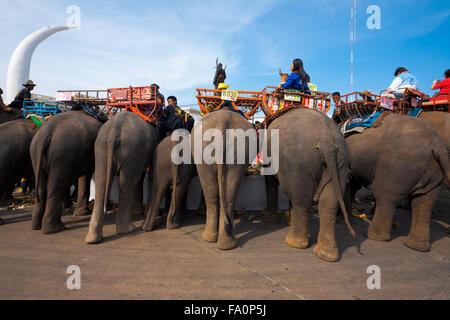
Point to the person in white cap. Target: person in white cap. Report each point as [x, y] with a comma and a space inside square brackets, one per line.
[23, 94]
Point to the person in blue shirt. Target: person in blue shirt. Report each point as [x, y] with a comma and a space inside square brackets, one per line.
[298, 79]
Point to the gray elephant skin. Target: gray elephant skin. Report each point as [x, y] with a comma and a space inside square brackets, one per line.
[221, 182]
[403, 157]
[62, 153]
[165, 175]
[314, 166]
[124, 147]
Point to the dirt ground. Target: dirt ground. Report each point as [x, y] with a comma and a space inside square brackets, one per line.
[178, 264]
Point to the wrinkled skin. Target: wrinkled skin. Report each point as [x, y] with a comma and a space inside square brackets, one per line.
[313, 161]
[62, 153]
[404, 157]
[440, 121]
[124, 147]
[164, 175]
[15, 161]
[221, 182]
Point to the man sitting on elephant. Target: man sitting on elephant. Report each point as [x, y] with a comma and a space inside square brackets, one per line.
[23, 94]
[175, 118]
[403, 80]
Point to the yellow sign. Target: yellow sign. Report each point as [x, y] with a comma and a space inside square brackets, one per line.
[229, 95]
[292, 97]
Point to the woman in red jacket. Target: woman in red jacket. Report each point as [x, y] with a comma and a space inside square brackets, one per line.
[444, 85]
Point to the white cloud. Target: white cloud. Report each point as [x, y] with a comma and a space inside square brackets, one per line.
[173, 45]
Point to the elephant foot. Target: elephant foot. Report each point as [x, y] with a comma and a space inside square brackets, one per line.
[297, 242]
[125, 229]
[226, 242]
[93, 237]
[377, 236]
[147, 227]
[330, 255]
[36, 226]
[79, 212]
[209, 236]
[270, 217]
[137, 211]
[48, 229]
[419, 245]
[173, 225]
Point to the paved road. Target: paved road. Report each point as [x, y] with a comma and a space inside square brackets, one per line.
[177, 264]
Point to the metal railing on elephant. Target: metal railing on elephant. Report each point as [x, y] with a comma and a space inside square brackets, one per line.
[40, 111]
[247, 102]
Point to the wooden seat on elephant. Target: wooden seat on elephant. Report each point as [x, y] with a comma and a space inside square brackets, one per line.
[356, 106]
[275, 99]
[247, 102]
[146, 101]
[442, 105]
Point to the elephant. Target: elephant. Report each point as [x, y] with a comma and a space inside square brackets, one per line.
[124, 146]
[402, 157]
[15, 161]
[441, 123]
[164, 174]
[14, 114]
[314, 166]
[62, 152]
[220, 180]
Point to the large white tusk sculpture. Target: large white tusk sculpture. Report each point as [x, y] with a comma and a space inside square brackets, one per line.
[19, 65]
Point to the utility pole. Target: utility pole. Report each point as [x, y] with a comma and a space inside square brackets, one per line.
[352, 40]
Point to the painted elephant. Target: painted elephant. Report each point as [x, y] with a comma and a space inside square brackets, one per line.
[164, 174]
[314, 166]
[403, 157]
[220, 179]
[124, 147]
[62, 152]
[441, 123]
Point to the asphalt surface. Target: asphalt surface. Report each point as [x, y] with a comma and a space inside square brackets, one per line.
[178, 264]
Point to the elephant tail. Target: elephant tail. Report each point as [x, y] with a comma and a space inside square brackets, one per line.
[41, 148]
[332, 165]
[442, 156]
[110, 149]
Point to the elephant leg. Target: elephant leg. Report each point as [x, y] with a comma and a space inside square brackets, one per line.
[202, 206]
[211, 192]
[328, 205]
[51, 222]
[67, 202]
[6, 198]
[95, 232]
[270, 214]
[419, 234]
[158, 191]
[124, 225]
[84, 188]
[298, 236]
[138, 195]
[228, 191]
[177, 205]
[380, 228]
[39, 205]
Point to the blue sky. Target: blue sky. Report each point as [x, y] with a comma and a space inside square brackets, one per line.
[175, 43]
